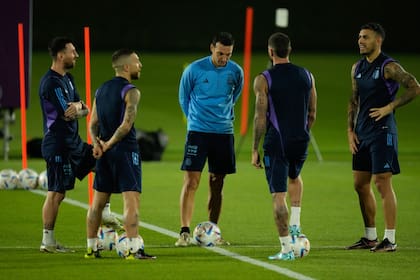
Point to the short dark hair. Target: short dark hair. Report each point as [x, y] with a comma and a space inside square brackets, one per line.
[280, 43]
[225, 38]
[376, 27]
[119, 53]
[58, 44]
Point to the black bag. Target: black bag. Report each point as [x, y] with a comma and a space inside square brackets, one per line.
[33, 148]
[152, 144]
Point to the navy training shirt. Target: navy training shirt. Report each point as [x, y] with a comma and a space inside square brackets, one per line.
[374, 91]
[60, 136]
[110, 107]
[289, 91]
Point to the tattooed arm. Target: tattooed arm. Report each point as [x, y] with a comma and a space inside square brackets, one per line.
[94, 132]
[351, 114]
[76, 110]
[260, 117]
[312, 105]
[395, 72]
[132, 99]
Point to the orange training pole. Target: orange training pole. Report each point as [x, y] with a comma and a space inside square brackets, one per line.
[22, 94]
[247, 69]
[88, 102]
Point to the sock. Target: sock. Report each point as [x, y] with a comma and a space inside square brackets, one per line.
[184, 229]
[92, 243]
[107, 210]
[294, 216]
[370, 233]
[390, 234]
[133, 244]
[285, 243]
[48, 236]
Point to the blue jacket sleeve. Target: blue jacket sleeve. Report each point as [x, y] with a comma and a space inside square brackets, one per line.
[185, 89]
[239, 85]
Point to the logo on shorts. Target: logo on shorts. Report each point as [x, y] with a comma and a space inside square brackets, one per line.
[192, 150]
[58, 159]
[387, 165]
[188, 162]
[135, 157]
[67, 169]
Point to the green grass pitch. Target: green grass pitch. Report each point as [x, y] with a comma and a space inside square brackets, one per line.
[330, 214]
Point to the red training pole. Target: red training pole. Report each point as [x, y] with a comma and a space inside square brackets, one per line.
[247, 69]
[22, 94]
[88, 102]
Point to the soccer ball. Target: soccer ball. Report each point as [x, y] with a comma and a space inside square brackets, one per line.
[206, 234]
[107, 238]
[301, 246]
[43, 180]
[122, 245]
[28, 179]
[9, 179]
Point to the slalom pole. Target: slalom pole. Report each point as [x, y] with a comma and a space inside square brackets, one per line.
[88, 102]
[316, 148]
[22, 94]
[247, 72]
[247, 69]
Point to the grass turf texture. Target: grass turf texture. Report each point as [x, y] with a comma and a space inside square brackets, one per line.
[330, 216]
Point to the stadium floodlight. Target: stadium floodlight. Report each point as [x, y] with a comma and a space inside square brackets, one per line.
[282, 17]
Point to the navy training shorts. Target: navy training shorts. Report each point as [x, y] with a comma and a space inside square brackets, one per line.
[62, 170]
[217, 149]
[279, 166]
[118, 171]
[378, 155]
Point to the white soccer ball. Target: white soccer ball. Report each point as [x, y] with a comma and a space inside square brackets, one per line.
[301, 246]
[107, 238]
[43, 180]
[206, 234]
[28, 179]
[9, 179]
[122, 245]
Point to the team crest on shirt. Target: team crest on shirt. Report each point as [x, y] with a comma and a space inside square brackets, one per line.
[376, 73]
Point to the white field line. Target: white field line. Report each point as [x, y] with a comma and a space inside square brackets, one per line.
[272, 267]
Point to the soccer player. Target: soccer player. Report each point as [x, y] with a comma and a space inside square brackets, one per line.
[66, 155]
[372, 132]
[118, 166]
[285, 110]
[208, 91]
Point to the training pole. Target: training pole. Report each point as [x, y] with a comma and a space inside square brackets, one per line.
[247, 69]
[88, 102]
[22, 94]
[316, 148]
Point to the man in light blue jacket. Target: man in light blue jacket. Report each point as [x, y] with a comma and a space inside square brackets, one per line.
[208, 91]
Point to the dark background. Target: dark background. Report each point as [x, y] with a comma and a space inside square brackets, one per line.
[188, 25]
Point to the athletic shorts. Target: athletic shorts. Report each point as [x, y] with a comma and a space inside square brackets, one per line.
[280, 166]
[378, 155]
[84, 163]
[62, 170]
[217, 149]
[118, 171]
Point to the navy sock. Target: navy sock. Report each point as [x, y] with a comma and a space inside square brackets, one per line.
[185, 229]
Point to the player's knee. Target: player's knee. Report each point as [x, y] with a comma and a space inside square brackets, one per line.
[382, 180]
[362, 187]
[217, 177]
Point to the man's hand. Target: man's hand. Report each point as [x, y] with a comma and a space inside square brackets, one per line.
[72, 110]
[256, 160]
[353, 141]
[379, 113]
[97, 149]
